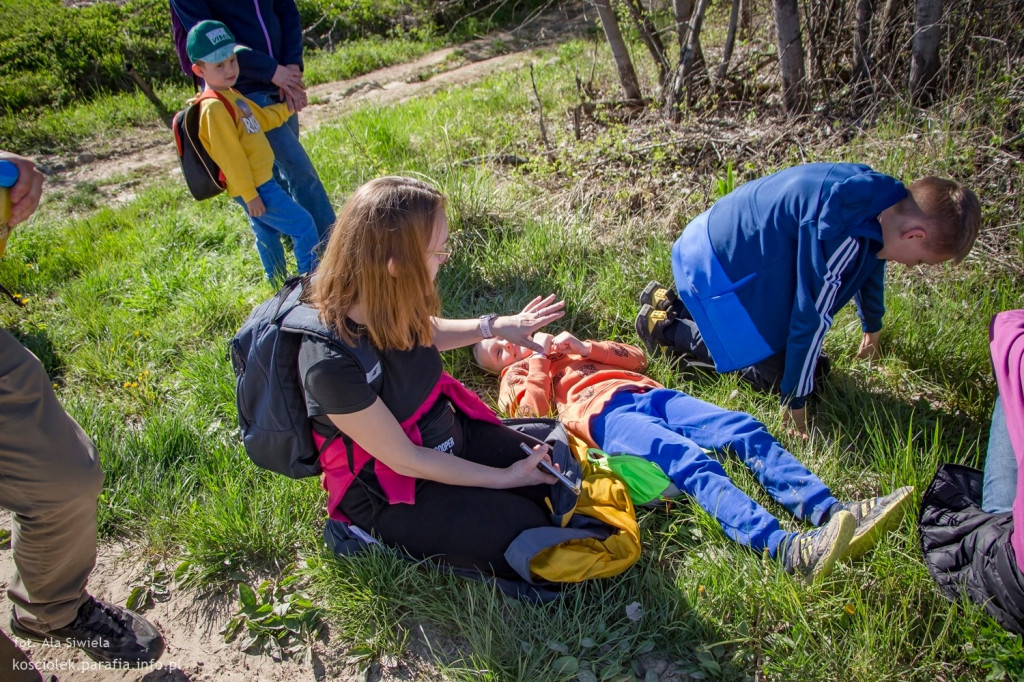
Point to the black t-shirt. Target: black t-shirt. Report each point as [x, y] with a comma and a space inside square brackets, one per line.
[335, 383]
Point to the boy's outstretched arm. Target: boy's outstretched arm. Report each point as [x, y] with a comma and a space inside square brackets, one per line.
[869, 346]
[526, 385]
[870, 302]
[795, 422]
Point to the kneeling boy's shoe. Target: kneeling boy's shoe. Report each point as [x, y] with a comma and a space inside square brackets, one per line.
[106, 633]
[874, 517]
[814, 553]
[650, 327]
[658, 296]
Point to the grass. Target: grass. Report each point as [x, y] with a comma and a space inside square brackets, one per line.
[131, 308]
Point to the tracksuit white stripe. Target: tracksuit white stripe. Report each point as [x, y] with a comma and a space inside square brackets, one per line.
[839, 261]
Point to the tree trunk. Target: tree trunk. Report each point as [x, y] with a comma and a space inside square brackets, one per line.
[925, 46]
[862, 39]
[682, 9]
[623, 63]
[791, 56]
[681, 81]
[649, 33]
[730, 40]
[746, 14]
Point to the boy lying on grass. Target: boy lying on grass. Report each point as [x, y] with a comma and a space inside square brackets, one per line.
[598, 392]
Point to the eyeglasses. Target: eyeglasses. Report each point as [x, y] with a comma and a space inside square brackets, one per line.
[442, 256]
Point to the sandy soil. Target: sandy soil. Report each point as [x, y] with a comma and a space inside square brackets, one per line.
[190, 622]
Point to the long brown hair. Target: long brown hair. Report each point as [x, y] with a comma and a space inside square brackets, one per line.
[387, 219]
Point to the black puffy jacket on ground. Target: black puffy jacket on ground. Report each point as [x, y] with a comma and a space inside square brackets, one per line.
[967, 550]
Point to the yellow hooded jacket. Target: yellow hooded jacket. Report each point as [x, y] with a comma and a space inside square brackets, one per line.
[238, 143]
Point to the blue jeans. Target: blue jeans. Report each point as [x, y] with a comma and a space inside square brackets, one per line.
[672, 429]
[293, 170]
[1000, 483]
[283, 216]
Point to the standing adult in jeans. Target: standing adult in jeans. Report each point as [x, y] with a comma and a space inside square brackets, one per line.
[270, 71]
[50, 478]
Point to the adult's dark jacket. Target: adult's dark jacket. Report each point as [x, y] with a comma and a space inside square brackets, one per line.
[270, 28]
[967, 550]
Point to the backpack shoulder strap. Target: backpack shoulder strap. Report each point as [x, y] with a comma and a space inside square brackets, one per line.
[299, 318]
[210, 93]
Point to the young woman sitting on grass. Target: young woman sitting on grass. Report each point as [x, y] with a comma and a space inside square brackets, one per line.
[422, 463]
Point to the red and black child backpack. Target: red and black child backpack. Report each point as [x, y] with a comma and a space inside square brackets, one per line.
[202, 174]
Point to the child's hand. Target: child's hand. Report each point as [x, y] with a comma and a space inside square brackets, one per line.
[545, 341]
[255, 207]
[869, 346]
[565, 342]
[795, 422]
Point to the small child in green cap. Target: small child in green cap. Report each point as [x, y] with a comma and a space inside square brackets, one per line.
[231, 128]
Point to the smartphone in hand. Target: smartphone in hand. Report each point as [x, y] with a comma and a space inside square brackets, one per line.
[547, 466]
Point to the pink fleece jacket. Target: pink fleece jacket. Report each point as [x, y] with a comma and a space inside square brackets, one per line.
[399, 489]
[1007, 344]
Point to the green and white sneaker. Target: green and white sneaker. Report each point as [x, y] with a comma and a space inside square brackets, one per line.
[814, 553]
[875, 516]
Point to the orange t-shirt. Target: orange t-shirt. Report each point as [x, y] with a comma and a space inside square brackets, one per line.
[579, 386]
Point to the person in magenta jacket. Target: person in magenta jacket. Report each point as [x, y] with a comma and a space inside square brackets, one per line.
[1003, 486]
[760, 275]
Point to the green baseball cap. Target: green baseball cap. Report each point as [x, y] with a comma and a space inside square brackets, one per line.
[211, 42]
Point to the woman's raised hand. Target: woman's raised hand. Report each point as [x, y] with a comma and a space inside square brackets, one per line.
[536, 314]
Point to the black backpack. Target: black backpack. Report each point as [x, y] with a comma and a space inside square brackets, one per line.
[276, 430]
[202, 174]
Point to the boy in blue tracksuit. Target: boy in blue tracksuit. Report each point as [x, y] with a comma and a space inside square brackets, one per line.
[760, 275]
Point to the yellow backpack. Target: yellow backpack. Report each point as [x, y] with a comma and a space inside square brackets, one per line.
[599, 536]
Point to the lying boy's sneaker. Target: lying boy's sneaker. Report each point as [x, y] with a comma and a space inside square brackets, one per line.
[874, 516]
[650, 325]
[814, 553]
[106, 633]
[658, 296]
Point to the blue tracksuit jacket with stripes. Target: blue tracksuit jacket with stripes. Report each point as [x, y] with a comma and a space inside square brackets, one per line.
[764, 270]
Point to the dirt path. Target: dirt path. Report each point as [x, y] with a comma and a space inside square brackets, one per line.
[118, 168]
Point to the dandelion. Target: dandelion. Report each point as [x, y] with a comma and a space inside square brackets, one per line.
[126, 384]
[700, 589]
[135, 384]
[55, 387]
[850, 609]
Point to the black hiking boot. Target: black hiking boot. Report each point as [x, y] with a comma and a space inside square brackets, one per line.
[106, 633]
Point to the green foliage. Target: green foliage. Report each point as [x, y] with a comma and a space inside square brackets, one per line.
[51, 54]
[130, 308]
[727, 184]
[153, 587]
[277, 620]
